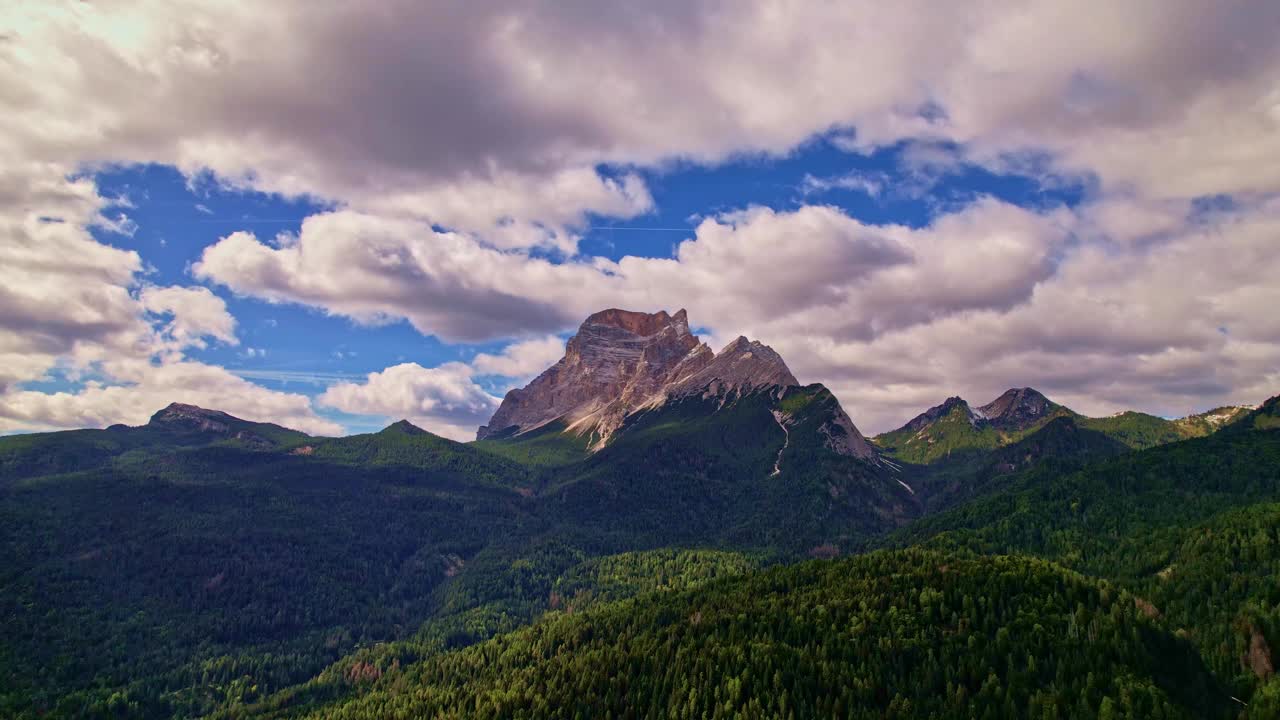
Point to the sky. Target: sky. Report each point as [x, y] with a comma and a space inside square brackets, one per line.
[331, 216]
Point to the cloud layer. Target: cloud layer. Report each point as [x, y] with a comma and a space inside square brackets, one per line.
[77, 307]
[462, 147]
[477, 115]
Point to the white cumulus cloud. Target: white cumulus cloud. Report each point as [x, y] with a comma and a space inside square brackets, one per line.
[193, 313]
[521, 360]
[443, 399]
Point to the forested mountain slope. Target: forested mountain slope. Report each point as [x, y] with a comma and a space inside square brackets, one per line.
[1060, 445]
[1190, 526]
[202, 564]
[201, 569]
[172, 579]
[750, 470]
[889, 635]
[1210, 583]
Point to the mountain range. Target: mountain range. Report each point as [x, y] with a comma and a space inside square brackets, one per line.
[654, 527]
[956, 427]
[623, 368]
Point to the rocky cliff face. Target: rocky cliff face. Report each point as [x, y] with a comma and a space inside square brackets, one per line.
[742, 366]
[621, 362]
[618, 361]
[1018, 409]
[845, 438]
[178, 416]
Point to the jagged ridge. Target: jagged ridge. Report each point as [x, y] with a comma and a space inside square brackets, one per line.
[621, 362]
[615, 363]
[954, 426]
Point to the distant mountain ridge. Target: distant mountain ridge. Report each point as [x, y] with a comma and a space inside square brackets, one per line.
[954, 426]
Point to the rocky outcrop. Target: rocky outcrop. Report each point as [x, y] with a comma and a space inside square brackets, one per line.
[616, 362]
[188, 419]
[845, 438]
[1258, 658]
[177, 416]
[1225, 415]
[742, 366]
[937, 412]
[621, 362]
[1207, 423]
[1018, 409]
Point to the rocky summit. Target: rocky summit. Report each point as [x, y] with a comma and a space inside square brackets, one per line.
[937, 412]
[743, 365]
[616, 362]
[621, 362]
[1018, 409]
[192, 418]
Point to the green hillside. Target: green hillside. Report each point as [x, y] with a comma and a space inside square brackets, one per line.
[37, 454]
[547, 446]
[698, 472]
[1140, 431]
[408, 449]
[951, 435]
[197, 571]
[1061, 445]
[1207, 423]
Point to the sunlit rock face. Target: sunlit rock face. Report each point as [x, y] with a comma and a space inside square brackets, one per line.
[1018, 409]
[621, 361]
[616, 362]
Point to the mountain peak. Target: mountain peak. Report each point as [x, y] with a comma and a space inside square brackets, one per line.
[742, 366]
[1019, 408]
[937, 412]
[639, 323]
[621, 361]
[1013, 395]
[402, 427]
[191, 420]
[191, 417]
[618, 360]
